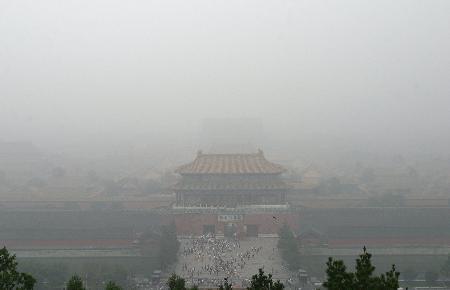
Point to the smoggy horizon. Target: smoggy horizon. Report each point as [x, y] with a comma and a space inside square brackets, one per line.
[89, 76]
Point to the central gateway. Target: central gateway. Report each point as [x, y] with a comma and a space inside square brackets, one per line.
[234, 195]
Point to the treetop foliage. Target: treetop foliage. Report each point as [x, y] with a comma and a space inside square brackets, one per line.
[10, 278]
[175, 282]
[259, 281]
[338, 278]
[262, 281]
[287, 244]
[75, 283]
[168, 245]
[112, 286]
[225, 285]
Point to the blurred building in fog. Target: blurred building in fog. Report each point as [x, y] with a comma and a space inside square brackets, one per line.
[21, 158]
[231, 194]
[233, 135]
[230, 180]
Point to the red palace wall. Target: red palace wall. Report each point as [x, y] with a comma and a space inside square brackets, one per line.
[267, 223]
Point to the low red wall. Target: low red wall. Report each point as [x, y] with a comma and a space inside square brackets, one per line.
[268, 223]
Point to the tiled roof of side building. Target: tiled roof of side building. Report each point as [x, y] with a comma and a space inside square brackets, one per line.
[254, 163]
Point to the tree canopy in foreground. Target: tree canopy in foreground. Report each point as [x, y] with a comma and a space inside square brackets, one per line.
[287, 243]
[338, 278]
[112, 286]
[10, 278]
[259, 281]
[262, 281]
[75, 283]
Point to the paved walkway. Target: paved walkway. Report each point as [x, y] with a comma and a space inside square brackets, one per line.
[207, 261]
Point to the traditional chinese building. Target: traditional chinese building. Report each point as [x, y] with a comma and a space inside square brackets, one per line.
[231, 194]
[230, 180]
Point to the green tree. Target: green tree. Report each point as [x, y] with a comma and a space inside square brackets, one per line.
[337, 276]
[175, 282]
[339, 279]
[389, 280]
[168, 245]
[225, 285]
[262, 281]
[75, 283]
[10, 278]
[112, 286]
[364, 272]
[286, 236]
[288, 246]
[53, 274]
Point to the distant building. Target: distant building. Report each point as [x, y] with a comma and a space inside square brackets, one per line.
[230, 180]
[312, 176]
[231, 194]
[21, 158]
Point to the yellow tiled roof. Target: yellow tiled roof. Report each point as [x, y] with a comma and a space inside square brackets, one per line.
[230, 164]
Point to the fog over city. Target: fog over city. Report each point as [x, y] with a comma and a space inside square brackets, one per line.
[85, 76]
[192, 144]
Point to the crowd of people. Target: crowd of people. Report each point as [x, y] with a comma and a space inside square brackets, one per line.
[216, 258]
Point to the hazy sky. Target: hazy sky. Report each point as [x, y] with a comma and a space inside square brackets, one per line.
[75, 72]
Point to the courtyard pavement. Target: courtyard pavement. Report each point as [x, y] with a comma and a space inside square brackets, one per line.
[238, 261]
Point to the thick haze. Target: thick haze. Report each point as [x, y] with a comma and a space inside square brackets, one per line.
[89, 73]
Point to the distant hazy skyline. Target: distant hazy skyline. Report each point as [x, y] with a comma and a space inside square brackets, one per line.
[374, 73]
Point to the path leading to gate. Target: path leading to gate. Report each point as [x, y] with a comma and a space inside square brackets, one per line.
[207, 261]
